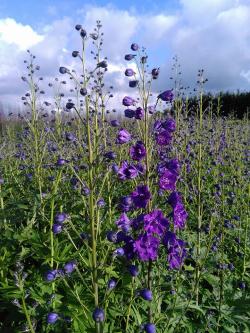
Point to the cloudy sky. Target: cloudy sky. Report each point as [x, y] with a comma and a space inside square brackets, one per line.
[209, 34]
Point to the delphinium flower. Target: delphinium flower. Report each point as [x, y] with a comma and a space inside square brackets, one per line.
[124, 223]
[123, 136]
[52, 318]
[138, 151]
[146, 247]
[127, 171]
[141, 196]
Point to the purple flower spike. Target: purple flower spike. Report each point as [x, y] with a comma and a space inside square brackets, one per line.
[166, 96]
[146, 247]
[141, 196]
[169, 125]
[123, 136]
[138, 152]
[179, 216]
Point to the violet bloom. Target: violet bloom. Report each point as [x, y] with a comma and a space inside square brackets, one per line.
[128, 101]
[176, 250]
[129, 72]
[139, 112]
[141, 196]
[138, 151]
[128, 248]
[52, 318]
[179, 216]
[127, 171]
[151, 109]
[155, 222]
[166, 96]
[168, 180]
[129, 113]
[114, 123]
[126, 204]
[129, 57]
[123, 222]
[123, 136]
[163, 137]
[133, 83]
[146, 294]
[146, 247]
[134, 47]
[69, 267]
[174, 198]
[169, 125]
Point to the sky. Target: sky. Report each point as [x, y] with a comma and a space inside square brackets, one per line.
[209, 34]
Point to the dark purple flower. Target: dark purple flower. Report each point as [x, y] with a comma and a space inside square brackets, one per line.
[57, 228]
[114, 123]
[123, 136]
[129, 113]
[155, 222]
[176, 250]
[78, 27]
[110, 155]
[146, 294]
[129, 72]
[179, 216]
[155, 73]
[151, 109]
[134, 47]
[61, 161]
[174, 198]
[128, 248]
[169, 125]
[124, 222]
[52, 317]
[63, 70]
[133, 83]
[150, 328]
[119, 252]
[83, 33]
[51, 275]
[69, 267]
[141, 196]
[98, 315]
[70, 105]
[168, 180]
[138, 222]
[61, 217]
[128, 101]
[111, 284]
[127, 171]
[83, 91]
[139, 112]
[129, 57]
[125, 204]
[166, 96]
[102, 64]
[133, 270]
[100, 203]
[146, 247]
[138, 151]
[163, 137]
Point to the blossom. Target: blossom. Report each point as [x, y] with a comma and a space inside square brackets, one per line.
[123, 222]
[134, 47]
[150, 328]
[98, 315]
[166, 96]
[174, 198]
[126, 204]
[129, 72]
[128, 101]
[133, 83]
[52, 317]
[123, 136]
[176, 250]
[139, 113]
[146, 294]
[179, 216]
[138, 151]
[133, 270]
[129, 57]
[141, 196]
[146, 247]
[168, 180]
[69, 267]
[127, 171]
[129, 113]
[163, 137]
[155, 222]
[169, 125]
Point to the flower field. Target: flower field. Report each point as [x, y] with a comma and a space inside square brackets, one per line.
[122, 222]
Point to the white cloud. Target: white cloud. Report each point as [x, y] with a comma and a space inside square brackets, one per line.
[23, 36]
